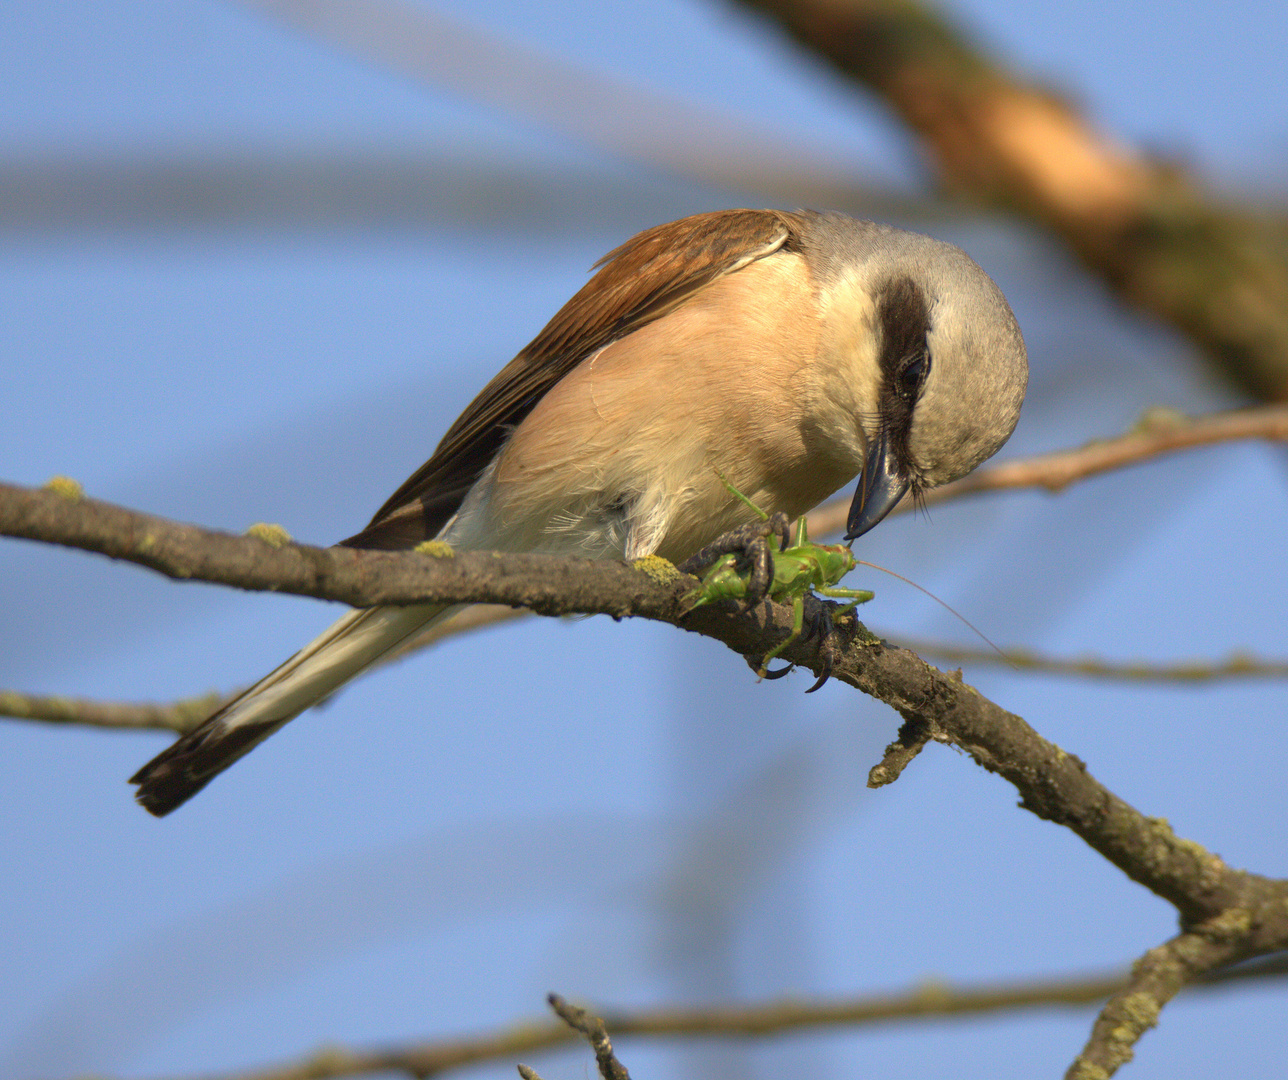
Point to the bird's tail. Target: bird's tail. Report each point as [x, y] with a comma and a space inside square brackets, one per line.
[351, 643]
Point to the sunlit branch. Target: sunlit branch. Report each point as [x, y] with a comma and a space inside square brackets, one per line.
[1158, 432]
[1146, 226]
[933, 1000]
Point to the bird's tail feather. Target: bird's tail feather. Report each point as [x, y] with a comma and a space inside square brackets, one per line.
[317, 670]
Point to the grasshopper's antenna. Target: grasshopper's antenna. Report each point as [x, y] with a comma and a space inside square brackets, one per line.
[943, 604]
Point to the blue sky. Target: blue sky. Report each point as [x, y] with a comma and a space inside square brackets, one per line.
[617, 812]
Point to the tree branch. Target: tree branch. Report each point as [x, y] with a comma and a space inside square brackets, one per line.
[1219, 273]
[766, 1020]
[595, 1033]
[178, 716]
[1134, 1007]
[1236, 666]
[1056, 786]
[1246, 914]
[1158, 432]
[1052, 784]
[547, 584]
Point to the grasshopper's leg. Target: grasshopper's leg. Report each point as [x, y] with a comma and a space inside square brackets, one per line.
[778, 522]
[748, 541]
[798, 624]
[858, 596]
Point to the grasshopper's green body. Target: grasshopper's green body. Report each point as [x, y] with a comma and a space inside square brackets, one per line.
[800, 569]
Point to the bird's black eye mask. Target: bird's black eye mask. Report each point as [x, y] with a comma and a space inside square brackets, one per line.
[904, 318]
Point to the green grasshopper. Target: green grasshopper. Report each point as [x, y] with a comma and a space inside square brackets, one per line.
[797, 570]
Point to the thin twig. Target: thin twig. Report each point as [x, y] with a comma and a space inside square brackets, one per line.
[592, 1027]
[1158, 432]
[914, 735]
[933, 1000]
[1155, 979]
[1236, 666]
[177, 716]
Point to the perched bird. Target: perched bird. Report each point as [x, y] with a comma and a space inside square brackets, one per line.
[786, 352]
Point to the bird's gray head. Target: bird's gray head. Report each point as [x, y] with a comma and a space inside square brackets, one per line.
[952, 369]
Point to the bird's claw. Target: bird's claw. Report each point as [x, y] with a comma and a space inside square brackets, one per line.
[762, 671]
[825, 630]
[749, 542]
[821, 627]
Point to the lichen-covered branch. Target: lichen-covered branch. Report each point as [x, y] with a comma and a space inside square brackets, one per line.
[1158, 432]
[595, 1033]
[264, 561]
[1218, 272]
[1053, 784]
[1246, 913]
[1155, 979]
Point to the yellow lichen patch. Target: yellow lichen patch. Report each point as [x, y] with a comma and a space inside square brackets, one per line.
[1085, 1070]
[66, 487]
[1159, 418]
[660, 570]
[1140, 1013]
[862, 634]
[272, 535]
[436, 549]
[1231, 923]
[1199, 853]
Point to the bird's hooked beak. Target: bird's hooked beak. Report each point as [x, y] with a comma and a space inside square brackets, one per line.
[881, 486]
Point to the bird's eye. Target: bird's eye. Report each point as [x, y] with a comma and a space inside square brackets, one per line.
[912, 374]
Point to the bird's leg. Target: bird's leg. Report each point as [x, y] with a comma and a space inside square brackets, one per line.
[824, 628]
[749, 543]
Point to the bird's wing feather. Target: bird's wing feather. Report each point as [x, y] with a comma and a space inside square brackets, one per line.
[648, 276]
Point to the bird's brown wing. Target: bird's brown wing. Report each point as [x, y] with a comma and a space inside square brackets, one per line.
[647, 277]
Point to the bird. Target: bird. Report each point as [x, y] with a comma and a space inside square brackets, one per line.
[779, 354]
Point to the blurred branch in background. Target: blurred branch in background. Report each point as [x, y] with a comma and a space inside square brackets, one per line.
[284, 187]
[185, 714]
[603, 111]
[1219, 273]
[1238, 666]
[933, 1000]
[177, 716]
[278, 189]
